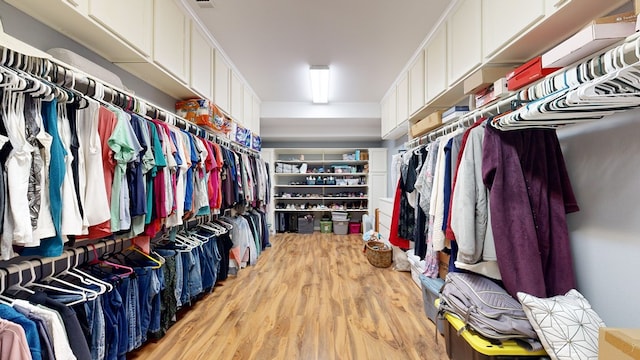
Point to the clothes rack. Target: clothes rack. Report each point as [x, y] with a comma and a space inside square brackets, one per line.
[518, 110]
[51, 69]
[10, 269]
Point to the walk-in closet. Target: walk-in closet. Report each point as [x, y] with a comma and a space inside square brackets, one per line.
[216, 179]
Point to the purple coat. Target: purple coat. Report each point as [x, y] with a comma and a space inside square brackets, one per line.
[530, 195]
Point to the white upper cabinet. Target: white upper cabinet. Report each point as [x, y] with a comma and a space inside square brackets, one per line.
[131, 21]
[170, 38]
[256, 115]
[436, 61]
[417, 87]
[201, 79]
[403, 99]
[247, 101]
[498, 28]
[237, 96]
[465, 39]
[221, 81]
[388, 113]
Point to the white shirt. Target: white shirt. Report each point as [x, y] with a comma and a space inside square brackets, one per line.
[59, 339]
[96, 203]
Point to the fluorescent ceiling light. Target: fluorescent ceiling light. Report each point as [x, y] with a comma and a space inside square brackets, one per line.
[319, 83]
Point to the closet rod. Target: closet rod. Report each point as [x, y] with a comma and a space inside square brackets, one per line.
[9, 269]
[630, 51]
[70, 77]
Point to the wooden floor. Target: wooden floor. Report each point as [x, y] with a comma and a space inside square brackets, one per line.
[309, 297]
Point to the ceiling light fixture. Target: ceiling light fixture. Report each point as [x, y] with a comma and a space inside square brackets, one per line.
[319, 83]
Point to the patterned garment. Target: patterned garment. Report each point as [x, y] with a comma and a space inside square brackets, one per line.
[35, 177]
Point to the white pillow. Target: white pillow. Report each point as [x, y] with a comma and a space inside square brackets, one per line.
[566, 324]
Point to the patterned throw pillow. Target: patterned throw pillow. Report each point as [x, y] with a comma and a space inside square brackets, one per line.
[566, 324]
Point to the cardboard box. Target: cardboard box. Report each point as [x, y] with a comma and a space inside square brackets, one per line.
[484, 77]
[429, 123]
[629, 16]
[587, 41]
[443, 264]
[527, 73]
[619, 344]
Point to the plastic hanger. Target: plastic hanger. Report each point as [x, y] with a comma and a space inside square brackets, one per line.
[3, 298]
[86, 280]
[73, 289]
[159, 261]
[97, 261]
[19, 286]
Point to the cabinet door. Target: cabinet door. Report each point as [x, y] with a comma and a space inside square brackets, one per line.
[201, 63]
[170, 34]
[237, 95]
[247, 100]
[221, 81]
[436, 59]
[417, 84]
[256, 115]
[498, 29]
[131, 21]
[377, 160]
[388, 115]
[465, 39]
[377, 190]
[402, 106]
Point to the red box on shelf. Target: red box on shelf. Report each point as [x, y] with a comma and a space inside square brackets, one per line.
[527, 73]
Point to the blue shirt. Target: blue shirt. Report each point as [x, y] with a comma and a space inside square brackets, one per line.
[30, 329]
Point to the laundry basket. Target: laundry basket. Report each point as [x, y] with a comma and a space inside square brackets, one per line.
[379, 254]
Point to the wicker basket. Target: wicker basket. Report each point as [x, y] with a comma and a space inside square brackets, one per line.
[379, 254]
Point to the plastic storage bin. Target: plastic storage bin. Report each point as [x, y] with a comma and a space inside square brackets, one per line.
[430, 292]
[326, 226]
[340, 227]
[305, 225]
[466, 345]
[354, 228]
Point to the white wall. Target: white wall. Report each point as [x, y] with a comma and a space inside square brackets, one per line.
[603, 160]
[27, 29]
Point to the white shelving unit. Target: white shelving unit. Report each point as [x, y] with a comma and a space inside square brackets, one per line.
[335, 180]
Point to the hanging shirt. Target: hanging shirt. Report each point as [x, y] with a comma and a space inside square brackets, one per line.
[107, 121]
[60, 341]
[52, 246]
[530, 194]
[44, 228]
[29, 327]
[13, 342]
[18, 226]
[96, 209]
[125, 149]
[71, 217]
[470, 219]
[160, 164]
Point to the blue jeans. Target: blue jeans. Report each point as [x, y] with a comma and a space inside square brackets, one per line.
[112, 304]
[129, 291]
[147, 282]
[95, 317]
[195, 275]
[179, 280]
[156, 301]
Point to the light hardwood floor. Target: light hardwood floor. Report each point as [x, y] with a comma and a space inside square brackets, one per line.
[309, 297]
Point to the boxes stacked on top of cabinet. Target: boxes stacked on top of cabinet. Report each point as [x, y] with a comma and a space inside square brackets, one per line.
[340, 222]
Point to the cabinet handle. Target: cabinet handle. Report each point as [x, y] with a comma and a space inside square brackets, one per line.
[559, 3]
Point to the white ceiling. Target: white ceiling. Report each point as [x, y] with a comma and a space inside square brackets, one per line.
[366, 43]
